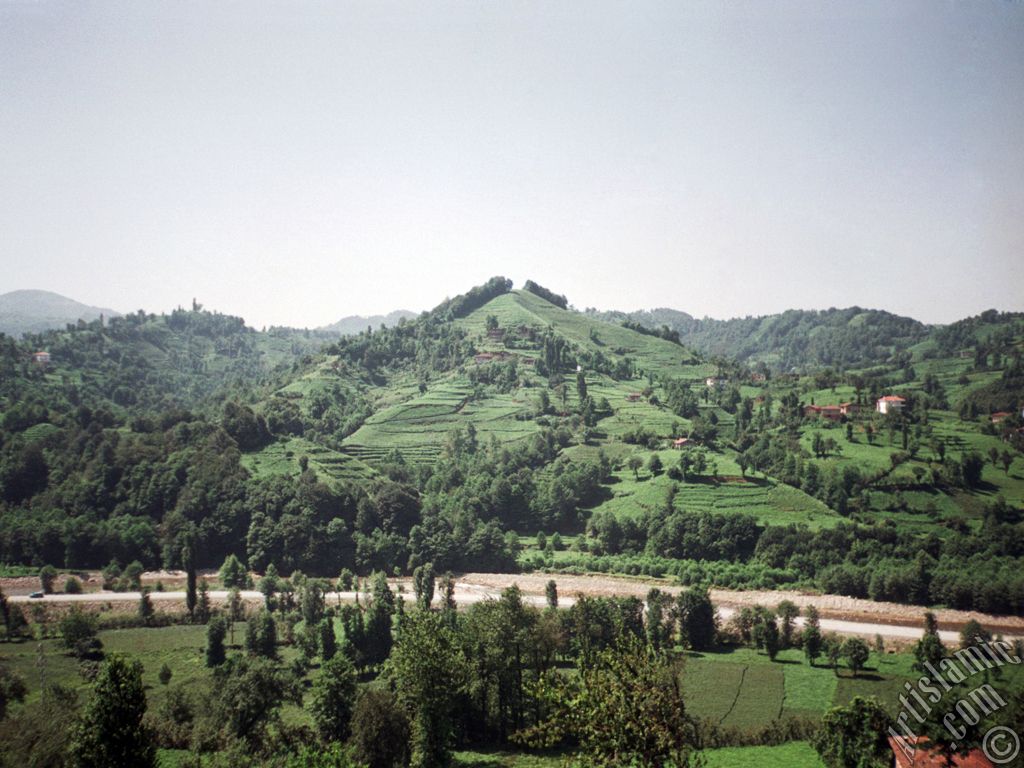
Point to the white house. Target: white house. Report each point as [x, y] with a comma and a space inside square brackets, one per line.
[890, 404]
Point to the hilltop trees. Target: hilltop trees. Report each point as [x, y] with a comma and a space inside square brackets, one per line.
[47, 575]
[261, 635]
[812, 640]
[111, 731]
[787, 613]
[12, 688]
[856, 653]
[248, 695]
[654, 730]
[697, 619]
[378, 621]
[380, 730]
[428, 668]
[334, 693]
[544, 293]
[232, 573]
[78, 633]
[929, 650]
[215, 633]
[188, 562]
[855, 736]
[423, 585]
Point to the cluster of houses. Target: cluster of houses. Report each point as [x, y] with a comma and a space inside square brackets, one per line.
[885, 405]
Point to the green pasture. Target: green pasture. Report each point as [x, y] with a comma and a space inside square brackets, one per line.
[796, 754]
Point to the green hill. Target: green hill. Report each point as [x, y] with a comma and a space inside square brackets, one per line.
[459, 436]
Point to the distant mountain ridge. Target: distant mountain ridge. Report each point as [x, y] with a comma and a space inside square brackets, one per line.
[353, 324]
[35, 311]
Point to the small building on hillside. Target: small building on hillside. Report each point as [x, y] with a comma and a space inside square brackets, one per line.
[632, 397]
[890, 404]
[830, 412]
[758, 378]
[496, 334]
[41, 358]
[1000, 416]
[912, 752]
[714, 381]
[849, 409]
[680, 442]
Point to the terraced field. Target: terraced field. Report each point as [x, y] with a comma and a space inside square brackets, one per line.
[282, 458]
[419, 427]
[769, 502]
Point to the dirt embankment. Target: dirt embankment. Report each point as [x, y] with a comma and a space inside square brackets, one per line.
[477, 586]
[829, 606]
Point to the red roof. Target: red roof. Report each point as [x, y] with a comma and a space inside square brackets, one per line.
[922, 758]
[893, 399]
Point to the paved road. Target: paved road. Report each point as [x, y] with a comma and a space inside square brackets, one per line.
[467, 594]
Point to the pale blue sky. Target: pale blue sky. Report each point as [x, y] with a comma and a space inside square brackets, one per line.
[297, 162]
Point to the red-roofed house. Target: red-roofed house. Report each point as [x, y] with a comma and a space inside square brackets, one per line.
[41, 358]
[1000, 416]
[848, 409]
[830, 412]
[913, 753]
[890, 404]
[680, 442]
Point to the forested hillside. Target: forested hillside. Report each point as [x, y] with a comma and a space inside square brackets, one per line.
[468, 437]
[801, 339]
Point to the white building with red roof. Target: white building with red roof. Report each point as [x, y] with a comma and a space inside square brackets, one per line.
[890, 404]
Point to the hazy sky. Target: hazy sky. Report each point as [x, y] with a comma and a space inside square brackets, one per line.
[296, 162]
